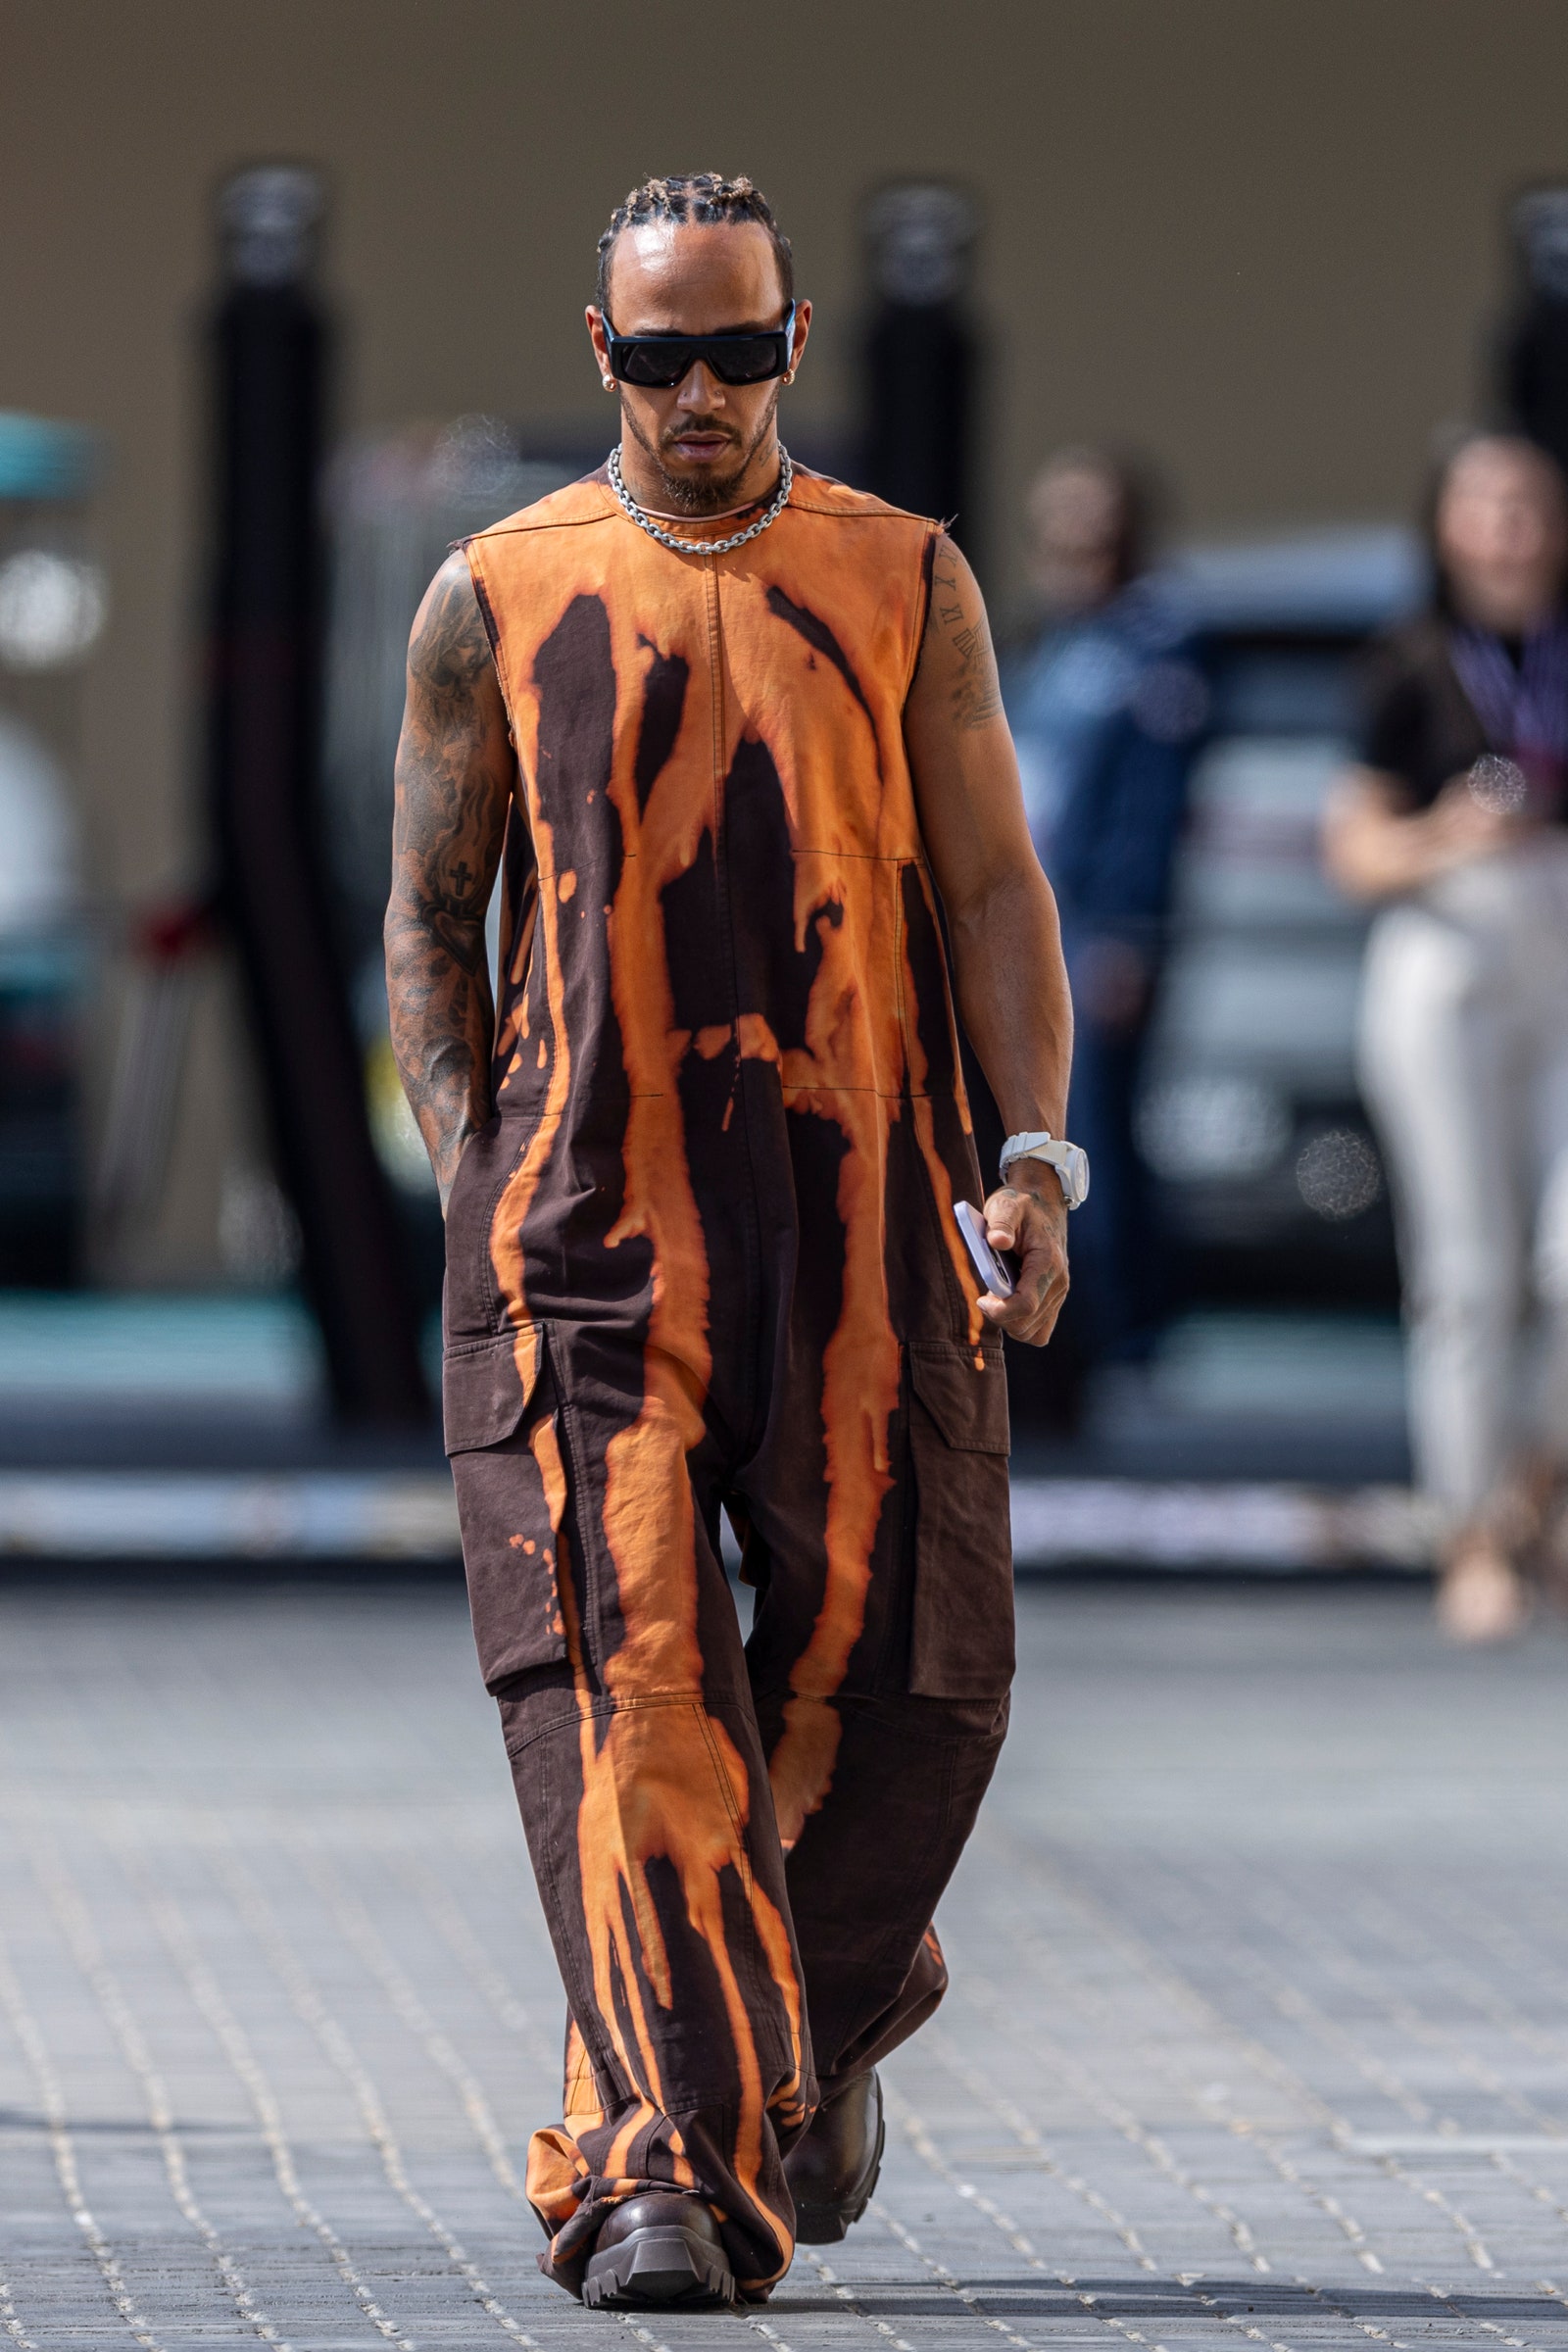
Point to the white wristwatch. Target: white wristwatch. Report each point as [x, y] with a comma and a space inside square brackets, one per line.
[1070, 1161]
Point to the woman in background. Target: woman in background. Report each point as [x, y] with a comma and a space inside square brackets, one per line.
[1455, 820]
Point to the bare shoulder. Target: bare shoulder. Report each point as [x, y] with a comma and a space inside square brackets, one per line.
[450, 647]
[956, 680]
[455, 741]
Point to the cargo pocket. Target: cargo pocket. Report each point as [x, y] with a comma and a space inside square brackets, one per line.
[472, 1304]
[961, 1638]
[499, 1407]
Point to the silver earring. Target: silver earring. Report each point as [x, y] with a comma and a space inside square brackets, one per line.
[608, 382]
[789, 376]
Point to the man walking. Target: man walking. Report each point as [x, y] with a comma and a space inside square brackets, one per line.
[727, 730]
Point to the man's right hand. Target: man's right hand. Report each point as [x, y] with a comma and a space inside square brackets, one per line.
[1027, 1217]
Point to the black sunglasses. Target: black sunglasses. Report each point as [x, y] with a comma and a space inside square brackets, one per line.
[660, 362]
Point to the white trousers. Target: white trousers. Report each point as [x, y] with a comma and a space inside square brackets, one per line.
[1465, 1067]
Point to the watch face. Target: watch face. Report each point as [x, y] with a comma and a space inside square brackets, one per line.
[1075, 1176]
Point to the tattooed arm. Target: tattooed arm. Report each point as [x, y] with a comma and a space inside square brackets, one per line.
[454, 770]
[1001, 918]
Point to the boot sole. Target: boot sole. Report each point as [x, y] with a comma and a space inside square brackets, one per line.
[826, 2225]
[658, 2268]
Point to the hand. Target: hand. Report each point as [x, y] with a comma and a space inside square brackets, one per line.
[1459, 827]
[1028, 1218]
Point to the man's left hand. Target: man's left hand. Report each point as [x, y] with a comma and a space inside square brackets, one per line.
[1031, 1225]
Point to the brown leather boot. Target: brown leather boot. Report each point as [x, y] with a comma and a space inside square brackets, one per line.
[832, 2171]
[657, 2249]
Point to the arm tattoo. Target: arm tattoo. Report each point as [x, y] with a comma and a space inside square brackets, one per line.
[957, 610]
[454, 778]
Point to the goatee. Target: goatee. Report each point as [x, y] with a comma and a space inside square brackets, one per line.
[709, 495]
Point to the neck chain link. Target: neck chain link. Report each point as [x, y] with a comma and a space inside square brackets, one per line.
[704, 547]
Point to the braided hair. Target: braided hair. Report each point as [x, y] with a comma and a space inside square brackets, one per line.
[704, 199]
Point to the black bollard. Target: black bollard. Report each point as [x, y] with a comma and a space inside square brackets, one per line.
[1535, 352]
[920, 353]
[269, 354]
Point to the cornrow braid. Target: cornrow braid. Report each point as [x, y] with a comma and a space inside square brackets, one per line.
[705, 199]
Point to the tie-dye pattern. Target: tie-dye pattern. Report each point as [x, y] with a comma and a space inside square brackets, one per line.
[702, 1258]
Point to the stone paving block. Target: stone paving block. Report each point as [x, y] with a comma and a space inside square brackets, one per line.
[1258, 2030]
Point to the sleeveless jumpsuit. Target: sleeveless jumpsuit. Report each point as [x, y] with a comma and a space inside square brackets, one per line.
[702, 1258]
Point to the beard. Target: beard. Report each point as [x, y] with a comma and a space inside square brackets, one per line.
[715, 491]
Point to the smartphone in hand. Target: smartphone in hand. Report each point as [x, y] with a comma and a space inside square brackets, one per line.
[987, 1264]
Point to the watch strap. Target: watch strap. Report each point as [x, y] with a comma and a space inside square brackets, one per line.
[1069, 1161]
[1022, 1146]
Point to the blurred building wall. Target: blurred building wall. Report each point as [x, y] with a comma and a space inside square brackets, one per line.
[1257, 237]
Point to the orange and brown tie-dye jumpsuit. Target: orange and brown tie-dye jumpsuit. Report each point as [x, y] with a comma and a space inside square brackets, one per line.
[702, 1258]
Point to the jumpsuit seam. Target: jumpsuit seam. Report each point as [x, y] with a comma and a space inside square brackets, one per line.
[603, 1710]
[496, 1304]
[923, 567]
[893, 1617]
[458, 1350]
[743, 1860]
[612, 513]
[899, 936]
[753, 1234]
[804, 1086]
[805, 849]
[920, 860]
[787, 1087]
[577, 1986]
[575, 1511]
[522, 530]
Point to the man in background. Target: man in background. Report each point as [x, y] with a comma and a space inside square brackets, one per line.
[1107, 704]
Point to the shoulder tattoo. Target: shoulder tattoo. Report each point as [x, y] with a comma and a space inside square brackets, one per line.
[957, 612]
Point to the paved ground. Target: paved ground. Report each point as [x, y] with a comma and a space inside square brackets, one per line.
[1259, 2026]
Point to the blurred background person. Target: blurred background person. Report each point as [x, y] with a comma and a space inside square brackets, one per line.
[1106, 703]
[1534, 372]
[1455, 819]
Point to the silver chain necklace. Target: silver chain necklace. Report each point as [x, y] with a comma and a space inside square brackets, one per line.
[704, 547]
